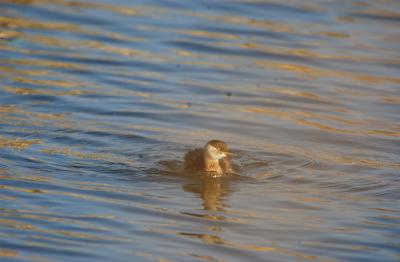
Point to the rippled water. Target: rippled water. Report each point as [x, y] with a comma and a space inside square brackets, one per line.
[99, 101]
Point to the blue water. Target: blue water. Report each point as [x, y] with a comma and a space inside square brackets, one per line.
[100, 100]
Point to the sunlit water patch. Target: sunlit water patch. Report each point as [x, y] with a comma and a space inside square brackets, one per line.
[100, 100]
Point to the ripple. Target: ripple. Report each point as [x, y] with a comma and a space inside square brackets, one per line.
[100, 101]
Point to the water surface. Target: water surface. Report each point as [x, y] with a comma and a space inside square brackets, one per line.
[99, 101]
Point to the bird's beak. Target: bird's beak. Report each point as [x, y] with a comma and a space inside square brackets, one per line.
[229, 154]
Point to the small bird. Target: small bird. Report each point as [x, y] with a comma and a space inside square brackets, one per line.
[213, 157]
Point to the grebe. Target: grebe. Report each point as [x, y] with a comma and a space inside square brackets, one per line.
[214, 157]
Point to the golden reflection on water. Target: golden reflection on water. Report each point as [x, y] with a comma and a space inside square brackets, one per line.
[211, 239]
[15, 22]
[45, 63]
[7, 35]
[73, 44]
[21, 118]
[204, 257]
[17, 143]
[152, 257]
[8, 253]
[77, 5]
[56, 232]
[248, 22]
[332, 157]
[212, 191]
[308, 54]
[216, 240]
[308, 71]
[358, 127]
[37, 91]
[213, 219]
[56, 83]
[207, 34]
[291, 92]
[85, 155]
[25, 72]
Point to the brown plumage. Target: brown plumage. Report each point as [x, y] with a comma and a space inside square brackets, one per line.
[194, 159]
[220, 145]
[212, 158]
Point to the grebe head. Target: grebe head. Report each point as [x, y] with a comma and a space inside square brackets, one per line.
[216, 149]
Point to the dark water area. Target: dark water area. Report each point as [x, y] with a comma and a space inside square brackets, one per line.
[100, 100]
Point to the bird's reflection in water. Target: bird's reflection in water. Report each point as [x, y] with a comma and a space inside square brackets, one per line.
[213, 191]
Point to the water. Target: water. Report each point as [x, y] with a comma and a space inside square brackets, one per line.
[99, 101]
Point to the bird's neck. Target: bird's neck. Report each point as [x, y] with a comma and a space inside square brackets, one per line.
[212, 165]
